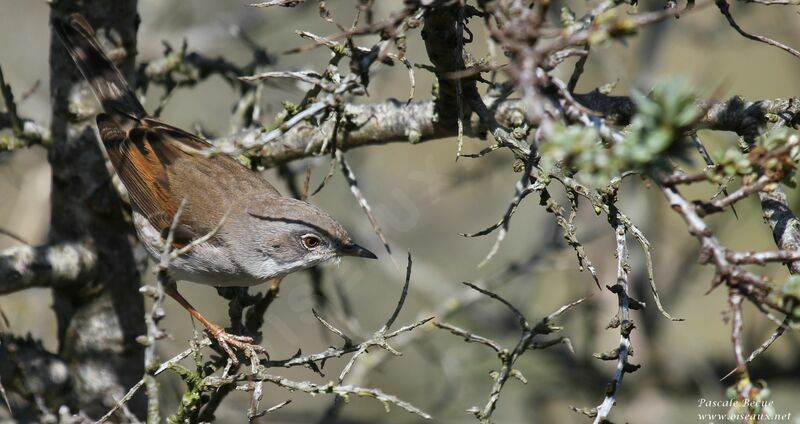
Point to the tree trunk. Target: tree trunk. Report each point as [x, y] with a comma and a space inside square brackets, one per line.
[100, 317]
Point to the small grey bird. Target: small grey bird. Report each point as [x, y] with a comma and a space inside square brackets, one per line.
[262, 235]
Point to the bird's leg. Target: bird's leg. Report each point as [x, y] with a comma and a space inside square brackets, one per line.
[224, 339]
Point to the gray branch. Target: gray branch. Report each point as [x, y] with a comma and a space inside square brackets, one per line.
[54, 265]
[395, 121]
[28, 370]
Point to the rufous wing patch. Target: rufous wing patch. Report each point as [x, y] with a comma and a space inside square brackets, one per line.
[140, 157]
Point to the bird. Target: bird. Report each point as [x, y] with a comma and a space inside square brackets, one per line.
[234, 229]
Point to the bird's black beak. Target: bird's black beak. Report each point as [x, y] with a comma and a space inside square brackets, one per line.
[352, 249]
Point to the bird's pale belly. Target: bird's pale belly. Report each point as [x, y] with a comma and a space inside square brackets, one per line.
[205, 263]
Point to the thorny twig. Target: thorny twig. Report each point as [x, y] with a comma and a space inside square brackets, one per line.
[350, 177]
[154, 333]
[258, 371]
[621, 320]
[509, 357]
[379, 338]
[345, 391]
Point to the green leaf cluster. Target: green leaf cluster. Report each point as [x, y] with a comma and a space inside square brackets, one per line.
[652, 138]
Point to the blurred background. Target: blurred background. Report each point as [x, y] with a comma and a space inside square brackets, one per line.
[423, 199]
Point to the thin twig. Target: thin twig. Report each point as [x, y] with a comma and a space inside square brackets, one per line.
[724, 7]
[362, 201]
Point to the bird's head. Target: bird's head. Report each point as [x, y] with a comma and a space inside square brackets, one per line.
[278, 235]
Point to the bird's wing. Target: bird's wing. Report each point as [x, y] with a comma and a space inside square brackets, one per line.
[161, 165]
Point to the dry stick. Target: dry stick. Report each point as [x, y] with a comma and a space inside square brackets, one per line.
[375, 28]
[512, 207]
[156, 314]
[551, 62]
[332, 352]
[597, 202]
[174, 254]
[735, 300]
[255, 399]
[14, 236]
[345, 391]
[485, 151]
[698, 144]
[332, 167]
[509, 358]
[470, 337]
[29, 92]
[761, 258]
[522, 188]
[412, 80]
[391, 121]
[724, 7]
[347, 340]
[717, 205]
[260, 140]
[503, 138]
[578, 71]
[310, 77]
[778, 215]
[379, 337]
[304, 193]
[274, 408]
[764, 346]
[682, 178]
[281, 3]
[750, 285]
[121, 402]
[362, 201]
[327, 177]
[648, 258]
[569, 230]
[624, 322]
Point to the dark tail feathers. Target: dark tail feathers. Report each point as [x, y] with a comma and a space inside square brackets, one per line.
[105, 79]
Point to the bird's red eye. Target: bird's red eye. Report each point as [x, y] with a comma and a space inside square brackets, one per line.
[311, 241]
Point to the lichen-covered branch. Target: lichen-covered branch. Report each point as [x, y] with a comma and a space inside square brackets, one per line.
[345, 391]
[621, 320]
[395, 121]
[56, 265]
[28, 370]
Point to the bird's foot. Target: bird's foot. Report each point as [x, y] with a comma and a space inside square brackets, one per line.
[228, 342]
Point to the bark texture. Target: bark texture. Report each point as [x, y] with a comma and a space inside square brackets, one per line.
[101, 315]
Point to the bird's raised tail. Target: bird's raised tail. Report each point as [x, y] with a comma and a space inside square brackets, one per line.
[107, 83]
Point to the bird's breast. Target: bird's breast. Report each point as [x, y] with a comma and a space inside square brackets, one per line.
[205, 263]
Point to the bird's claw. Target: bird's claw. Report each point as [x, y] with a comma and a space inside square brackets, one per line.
[228, 342]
